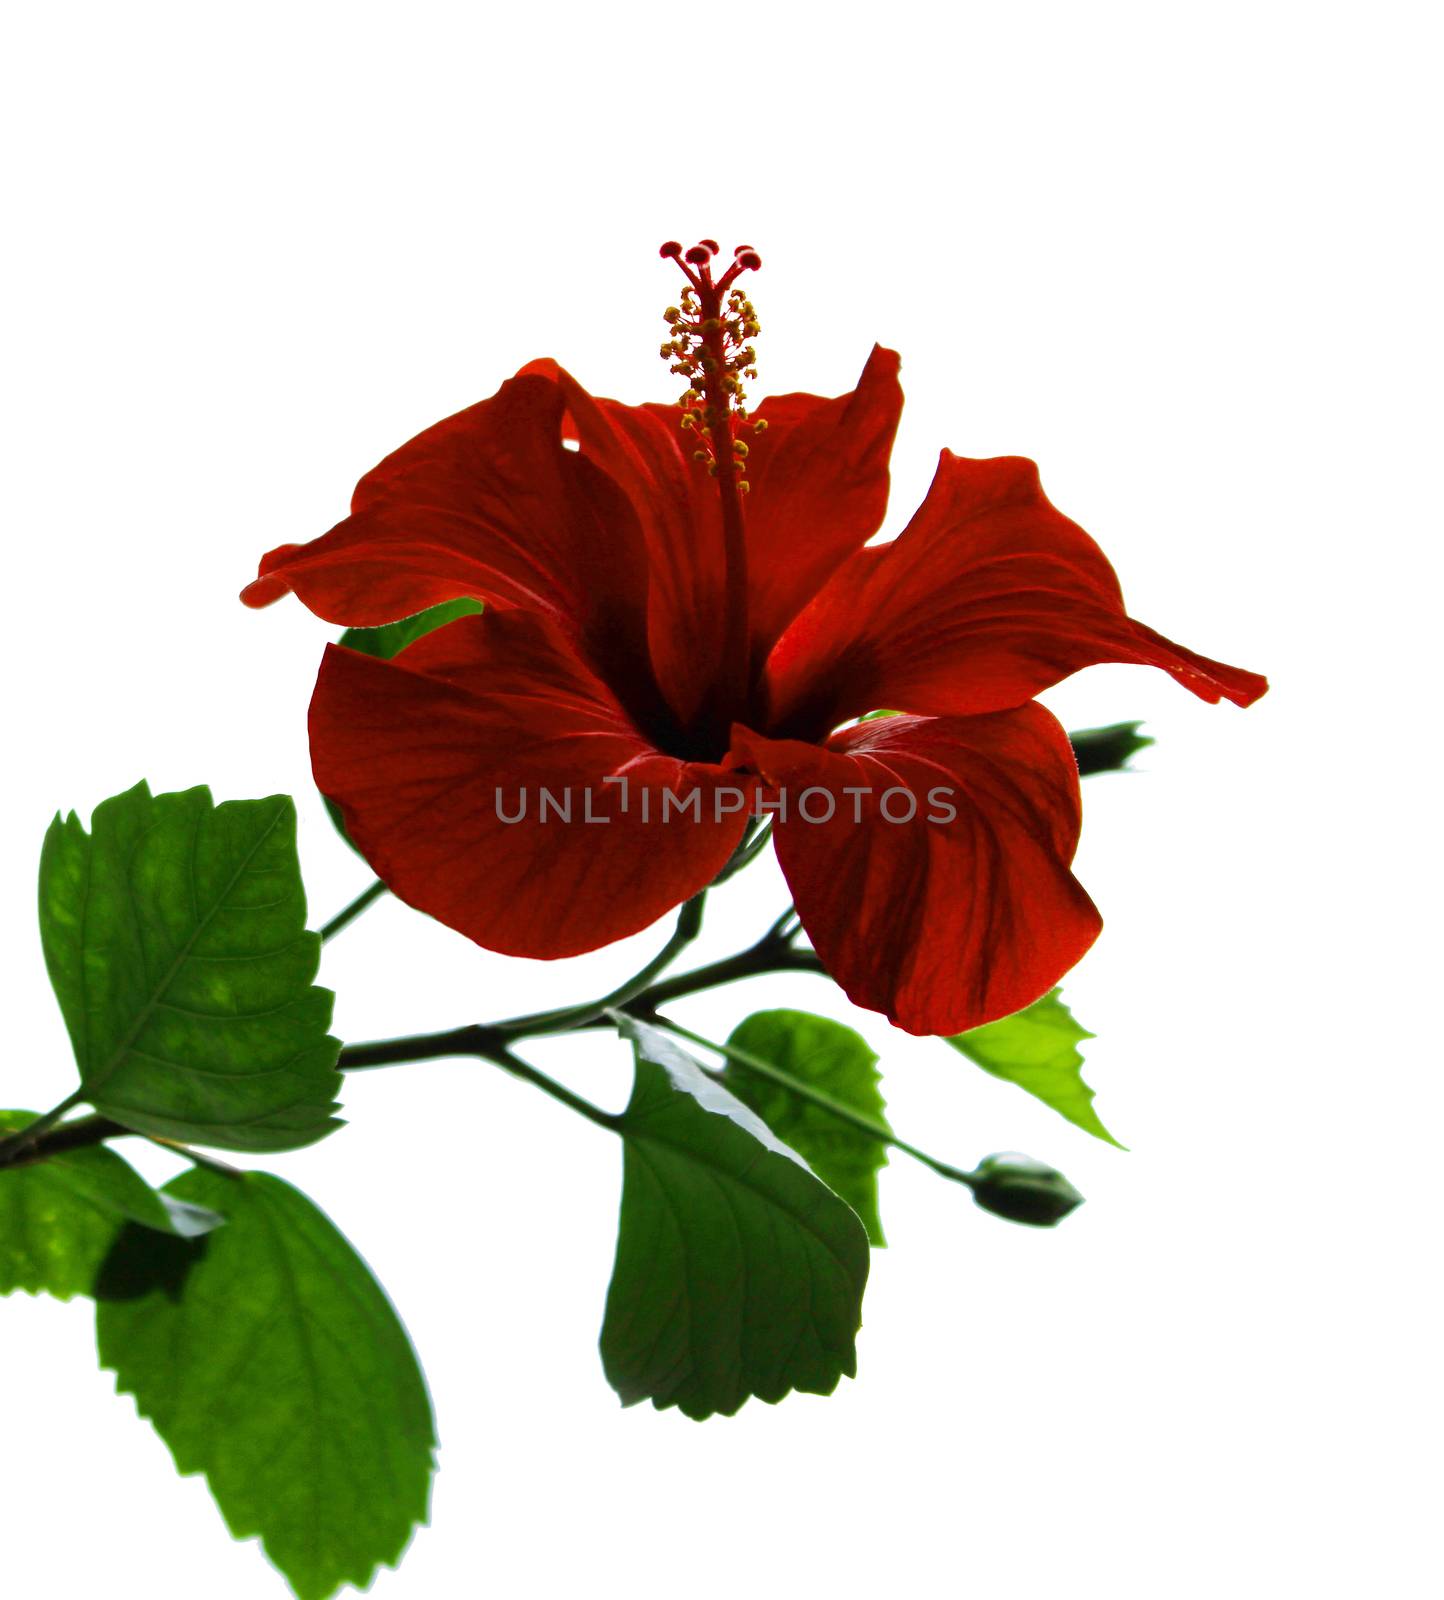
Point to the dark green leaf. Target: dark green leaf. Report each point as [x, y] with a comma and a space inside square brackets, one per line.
[1037, 1049]
[390, 640]
[1107, 749]
[58, 1217]
[738, 1273]
[272, 1362]
[175, 934]
[824, 1055]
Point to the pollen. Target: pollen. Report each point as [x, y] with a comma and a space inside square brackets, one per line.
[709, 345]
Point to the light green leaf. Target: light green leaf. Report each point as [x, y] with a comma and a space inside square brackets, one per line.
[828, 1056]
[388, 641]
[268, 1358]
[59, 1216]
[738, 1272]
[1037, 1048]
[175, 935]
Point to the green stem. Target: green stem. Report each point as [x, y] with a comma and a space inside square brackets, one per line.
[348, 914]
[75, 1135]
[779, 929]
[83, 1132]
[689, 924]
[13, 1148]
[752, 846]
[475, 1038]
[197, 1158]
[503, 1058]
[762, 958]
[817, 1097]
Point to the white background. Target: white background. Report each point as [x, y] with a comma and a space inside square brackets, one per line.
[1179, 255]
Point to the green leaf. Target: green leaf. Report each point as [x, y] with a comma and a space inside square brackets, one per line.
[824, 1055]
[1037, 1048]
[393, 637]
[1107, 749]
[59, 1216]
[175, 935]
[738, 1272]
[268, 1358]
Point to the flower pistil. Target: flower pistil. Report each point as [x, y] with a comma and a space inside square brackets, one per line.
[710, 348]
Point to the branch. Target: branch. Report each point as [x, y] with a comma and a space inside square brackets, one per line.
[772, 953]
[13, 1148]
[75, 1135]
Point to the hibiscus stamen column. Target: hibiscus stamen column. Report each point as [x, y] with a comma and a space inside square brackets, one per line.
[709, 347]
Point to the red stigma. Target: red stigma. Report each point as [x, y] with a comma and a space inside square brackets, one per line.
[745, 259]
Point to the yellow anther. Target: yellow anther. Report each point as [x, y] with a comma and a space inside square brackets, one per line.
[708, 347]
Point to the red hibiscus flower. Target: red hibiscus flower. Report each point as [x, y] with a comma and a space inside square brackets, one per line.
[686, 598]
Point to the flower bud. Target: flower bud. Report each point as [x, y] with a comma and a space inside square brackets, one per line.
[1023, 1190]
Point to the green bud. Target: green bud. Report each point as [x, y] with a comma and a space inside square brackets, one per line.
[1107, 749]
[1023, 1190]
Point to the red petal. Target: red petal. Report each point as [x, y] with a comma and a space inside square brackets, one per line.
[988, 596]
[415, 751]
[942, 925]
[644, 450]
[818, 475]
[819, 485]
[486, 504]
